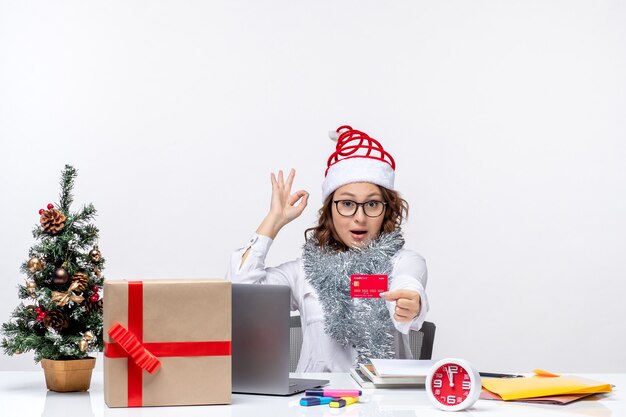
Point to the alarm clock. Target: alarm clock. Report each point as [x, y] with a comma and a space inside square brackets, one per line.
[453, 384]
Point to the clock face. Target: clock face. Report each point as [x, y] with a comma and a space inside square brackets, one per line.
[451, 384]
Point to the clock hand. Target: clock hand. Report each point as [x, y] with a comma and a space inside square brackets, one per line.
[450, 376]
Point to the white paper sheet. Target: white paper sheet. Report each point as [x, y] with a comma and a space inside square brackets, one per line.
[402, 367]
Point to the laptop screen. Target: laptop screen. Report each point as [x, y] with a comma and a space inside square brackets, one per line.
[261, 338]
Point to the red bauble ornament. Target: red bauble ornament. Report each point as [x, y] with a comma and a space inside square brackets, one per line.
[95, 289]
[50, 206]
[41, 211]
[94, 297]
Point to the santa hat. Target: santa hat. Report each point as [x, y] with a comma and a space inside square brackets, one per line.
[357, 158]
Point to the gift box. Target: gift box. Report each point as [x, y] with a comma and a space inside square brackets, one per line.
[167, 343]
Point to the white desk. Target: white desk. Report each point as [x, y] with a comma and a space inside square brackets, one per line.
[23, 394]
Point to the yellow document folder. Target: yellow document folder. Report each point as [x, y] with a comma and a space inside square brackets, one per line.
[542, 386]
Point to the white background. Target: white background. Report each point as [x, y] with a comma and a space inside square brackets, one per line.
[506, 119]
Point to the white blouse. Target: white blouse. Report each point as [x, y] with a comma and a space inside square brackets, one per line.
[321, 353]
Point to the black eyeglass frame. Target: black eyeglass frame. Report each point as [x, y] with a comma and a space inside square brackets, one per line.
[384, 203]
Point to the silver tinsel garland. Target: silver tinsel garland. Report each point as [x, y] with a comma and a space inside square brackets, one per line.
[363, 323]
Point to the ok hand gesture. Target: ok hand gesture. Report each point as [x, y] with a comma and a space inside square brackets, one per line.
[285, 206]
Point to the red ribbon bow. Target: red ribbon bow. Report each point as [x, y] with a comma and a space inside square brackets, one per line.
[135, 349]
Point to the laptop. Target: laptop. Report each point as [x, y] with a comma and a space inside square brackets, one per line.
[261, 341]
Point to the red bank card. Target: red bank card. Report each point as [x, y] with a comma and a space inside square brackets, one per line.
[367, 286]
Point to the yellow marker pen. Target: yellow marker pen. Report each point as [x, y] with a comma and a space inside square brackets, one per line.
[343, 401]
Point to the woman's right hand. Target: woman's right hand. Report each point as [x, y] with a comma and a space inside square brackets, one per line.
[285, 206]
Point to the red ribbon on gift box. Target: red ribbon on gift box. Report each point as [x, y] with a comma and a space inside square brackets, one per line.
[145, 355]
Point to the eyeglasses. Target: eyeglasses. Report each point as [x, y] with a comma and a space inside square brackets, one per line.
[371, 208]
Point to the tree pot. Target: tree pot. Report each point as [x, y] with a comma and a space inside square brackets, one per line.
[67, 376]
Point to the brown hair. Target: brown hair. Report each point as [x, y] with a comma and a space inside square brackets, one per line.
[396, 211]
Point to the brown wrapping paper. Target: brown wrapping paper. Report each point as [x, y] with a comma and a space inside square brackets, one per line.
[173, 311]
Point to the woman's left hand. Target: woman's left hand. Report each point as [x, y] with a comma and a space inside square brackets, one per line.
[407, 304]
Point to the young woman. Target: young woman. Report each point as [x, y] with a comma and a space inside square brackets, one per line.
[358, 234]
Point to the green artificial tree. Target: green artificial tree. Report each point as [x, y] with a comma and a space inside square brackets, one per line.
[61, 315]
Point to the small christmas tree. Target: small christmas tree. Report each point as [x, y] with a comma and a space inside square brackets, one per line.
[61, 317]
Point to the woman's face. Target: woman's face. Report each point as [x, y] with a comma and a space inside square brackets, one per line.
[357, 230]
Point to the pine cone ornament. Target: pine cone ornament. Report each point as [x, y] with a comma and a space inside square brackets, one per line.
[91, 307]
[52, 221]
[56, 320]
[82, 280]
